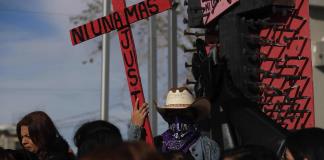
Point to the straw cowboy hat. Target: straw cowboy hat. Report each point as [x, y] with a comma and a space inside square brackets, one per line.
[181, 99]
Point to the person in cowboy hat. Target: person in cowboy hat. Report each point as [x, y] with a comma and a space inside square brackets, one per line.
[181, 112]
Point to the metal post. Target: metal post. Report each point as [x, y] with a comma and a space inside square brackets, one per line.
[152, 74]
[172, 48]
[105, 68]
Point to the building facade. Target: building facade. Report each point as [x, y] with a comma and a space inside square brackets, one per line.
[8, 137]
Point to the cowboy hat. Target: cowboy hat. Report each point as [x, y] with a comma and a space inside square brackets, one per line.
[181, 99]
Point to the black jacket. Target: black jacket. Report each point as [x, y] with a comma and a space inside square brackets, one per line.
[22, 154]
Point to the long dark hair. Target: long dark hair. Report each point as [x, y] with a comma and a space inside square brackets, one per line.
[43, 133]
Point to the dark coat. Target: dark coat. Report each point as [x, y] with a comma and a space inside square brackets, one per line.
[59, 151]
[22, 154]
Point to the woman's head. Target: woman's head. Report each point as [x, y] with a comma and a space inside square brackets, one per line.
[305, 144]
[37, 132]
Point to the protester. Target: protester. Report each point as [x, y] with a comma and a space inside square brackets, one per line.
[305, 144]
[37, 134]
[181, 112]
[96, 134]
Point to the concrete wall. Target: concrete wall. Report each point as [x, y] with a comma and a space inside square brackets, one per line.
[317, 33]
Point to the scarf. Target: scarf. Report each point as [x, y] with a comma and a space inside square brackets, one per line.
[179, 137]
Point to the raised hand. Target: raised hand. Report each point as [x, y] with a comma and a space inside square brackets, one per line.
[139, 113]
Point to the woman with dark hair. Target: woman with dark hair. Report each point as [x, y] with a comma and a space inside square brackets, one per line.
[96, 134]
[305, 144]
[38, 134]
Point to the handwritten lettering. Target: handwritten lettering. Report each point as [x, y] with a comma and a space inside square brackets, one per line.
[131, 12]
[93, 28]
[118, 20]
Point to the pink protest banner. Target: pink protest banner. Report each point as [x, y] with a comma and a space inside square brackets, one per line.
[213, 8]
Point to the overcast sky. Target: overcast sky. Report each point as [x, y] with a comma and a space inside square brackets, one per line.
[40, 70]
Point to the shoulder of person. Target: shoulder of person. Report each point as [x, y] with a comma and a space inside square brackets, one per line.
[210, 148]
[208, 141]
